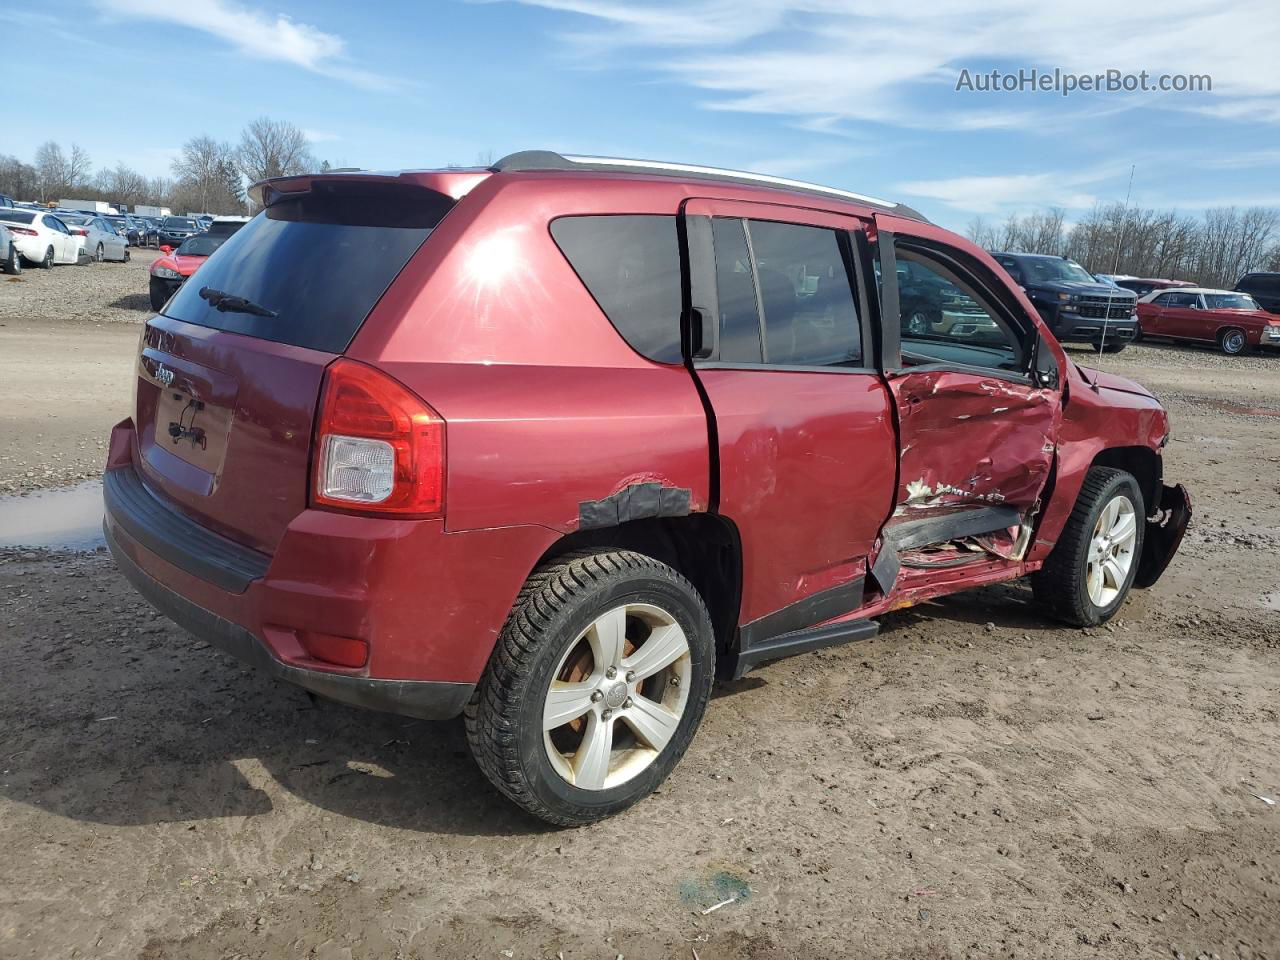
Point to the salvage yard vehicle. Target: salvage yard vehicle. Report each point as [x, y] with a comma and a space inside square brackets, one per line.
[553, 443]
[1234, 321]
[171, 271]
[1076, 306]
[97, 237]
[1141, 286]
[173, 230]
[10, 259]
[41, 238]
[1264, 288]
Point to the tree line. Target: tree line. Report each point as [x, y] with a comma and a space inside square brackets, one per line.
[1214, 249]
[208, 175]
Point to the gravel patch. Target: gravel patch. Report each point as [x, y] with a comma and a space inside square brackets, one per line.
[98, 292]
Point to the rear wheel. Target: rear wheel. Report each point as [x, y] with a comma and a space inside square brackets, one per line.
[1231, 341]
[918, 323]
[1091, 569]
[98, 254]
[597, 684]
[47, 262]
[13, 265]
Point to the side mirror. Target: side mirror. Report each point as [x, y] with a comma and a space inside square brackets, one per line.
[166, 249]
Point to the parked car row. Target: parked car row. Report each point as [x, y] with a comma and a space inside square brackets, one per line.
[1110, 311]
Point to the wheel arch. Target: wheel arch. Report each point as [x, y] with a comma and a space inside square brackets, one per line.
[704, 547]
[1143, 463]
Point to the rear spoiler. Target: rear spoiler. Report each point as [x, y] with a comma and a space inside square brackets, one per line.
[454, 184]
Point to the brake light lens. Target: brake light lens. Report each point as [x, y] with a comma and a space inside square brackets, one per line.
[380, 448]
[24, 231]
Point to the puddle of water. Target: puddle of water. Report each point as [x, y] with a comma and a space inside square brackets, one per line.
[67, 519]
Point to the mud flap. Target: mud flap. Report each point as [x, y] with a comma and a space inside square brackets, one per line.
[1164, 532]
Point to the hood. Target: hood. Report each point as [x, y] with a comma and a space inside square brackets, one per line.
[1110, 381]
[1085, 288]
[185, 265]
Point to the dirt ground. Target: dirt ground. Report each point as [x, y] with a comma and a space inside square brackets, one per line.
[975, 782]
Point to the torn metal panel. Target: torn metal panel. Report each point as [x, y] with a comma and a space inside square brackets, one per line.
[1163, 534]
[971, 440]
[638, 501]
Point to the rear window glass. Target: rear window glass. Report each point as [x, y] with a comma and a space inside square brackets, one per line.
[1262, 282]
[319, 261]
[16, 216]
[631, 265]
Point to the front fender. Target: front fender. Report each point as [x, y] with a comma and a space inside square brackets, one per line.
[1165, 528]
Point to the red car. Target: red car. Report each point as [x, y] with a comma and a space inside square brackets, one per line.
[555, 442]
[1234, 321]
[171, 270]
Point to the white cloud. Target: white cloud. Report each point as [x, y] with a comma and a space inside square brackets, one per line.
[320, 136]
[824, 61]
[1004, 193]
[256, 34]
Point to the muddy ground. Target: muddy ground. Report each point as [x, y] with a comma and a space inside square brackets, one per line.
[975, 782]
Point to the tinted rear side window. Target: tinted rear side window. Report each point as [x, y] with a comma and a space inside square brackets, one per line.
[739, 317]
[320, 261]
[631, 265]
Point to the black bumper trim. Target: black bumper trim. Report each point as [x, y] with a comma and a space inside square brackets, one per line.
[178, 539]
[428, 699]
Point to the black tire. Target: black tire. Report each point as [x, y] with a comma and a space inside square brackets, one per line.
[1137, 332]
[1232, 341]
[98, 255]
[13, 265]
[47, 262]
[557, 604]
[1061, 584]
[158, 296]
[1115, 346]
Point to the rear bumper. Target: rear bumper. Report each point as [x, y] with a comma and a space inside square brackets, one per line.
[413, 698]
[397, 615]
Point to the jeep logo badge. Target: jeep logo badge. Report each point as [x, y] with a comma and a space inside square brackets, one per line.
[164, 375]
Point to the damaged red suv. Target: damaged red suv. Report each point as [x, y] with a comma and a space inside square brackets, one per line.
[552, 444]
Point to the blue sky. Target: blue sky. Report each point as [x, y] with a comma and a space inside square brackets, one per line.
[850, 93]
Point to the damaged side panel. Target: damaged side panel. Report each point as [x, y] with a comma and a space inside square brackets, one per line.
[975, 454]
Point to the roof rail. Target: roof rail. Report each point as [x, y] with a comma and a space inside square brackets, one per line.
[526, 160]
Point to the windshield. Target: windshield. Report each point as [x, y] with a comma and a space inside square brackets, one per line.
[200, 246]
[16, 216]
[1230, 301]
[1053, 268]
[318, 262]
[179, 223]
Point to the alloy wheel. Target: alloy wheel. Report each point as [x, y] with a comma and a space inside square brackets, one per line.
[617, 696]
[1111, 551]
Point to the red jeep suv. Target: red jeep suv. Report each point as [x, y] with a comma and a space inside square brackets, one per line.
[552, 444]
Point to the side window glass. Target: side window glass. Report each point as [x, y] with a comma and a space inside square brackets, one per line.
[944, 319]
[736, 294]
[631, 265]
[810, 316]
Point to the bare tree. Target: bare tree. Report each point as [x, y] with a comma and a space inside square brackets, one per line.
[18, 179]
[273, 148]
[206, 170]
[123, 185]
[51, 170]
[79, 167]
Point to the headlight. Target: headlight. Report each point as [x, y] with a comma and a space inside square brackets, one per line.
[1064, 296]
[165, 273]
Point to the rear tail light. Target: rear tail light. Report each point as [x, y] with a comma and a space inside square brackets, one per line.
[80, 231]
[24, 231]
[379, 447]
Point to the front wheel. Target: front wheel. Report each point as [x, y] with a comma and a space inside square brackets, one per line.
[98, 254]
[1091, 569]
[1232, 342]
[47, 262]
[598, 682]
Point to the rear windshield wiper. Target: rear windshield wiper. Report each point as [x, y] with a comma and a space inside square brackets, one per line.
[230, 303]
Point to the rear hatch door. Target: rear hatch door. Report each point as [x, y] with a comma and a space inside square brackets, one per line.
[229, 376]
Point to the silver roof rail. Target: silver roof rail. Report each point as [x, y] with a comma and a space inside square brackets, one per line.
[527, 160]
